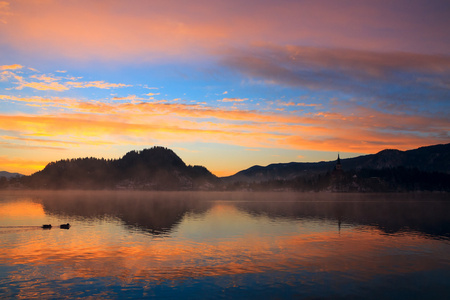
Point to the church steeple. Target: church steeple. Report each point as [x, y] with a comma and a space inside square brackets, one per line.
[338, 163]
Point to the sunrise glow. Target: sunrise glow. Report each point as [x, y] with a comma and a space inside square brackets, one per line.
[225, 84]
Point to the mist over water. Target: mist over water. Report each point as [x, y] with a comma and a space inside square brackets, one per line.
[224, 245]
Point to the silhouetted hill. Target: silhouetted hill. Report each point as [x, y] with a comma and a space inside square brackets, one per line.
[157, 168]
[427, 159]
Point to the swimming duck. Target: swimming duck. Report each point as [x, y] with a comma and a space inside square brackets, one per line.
[47, 226]
[64, 226]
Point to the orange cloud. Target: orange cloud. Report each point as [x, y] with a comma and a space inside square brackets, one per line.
[94, 123]
[21, 165]
[10, 67]
[44, 78]
[42, 101]
[29, 147]
[362, 130]
[5, 75]
[47, 141]
[55, 86]
[248, 135]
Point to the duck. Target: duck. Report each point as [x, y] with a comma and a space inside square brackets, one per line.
[64, 226]
[47, 226]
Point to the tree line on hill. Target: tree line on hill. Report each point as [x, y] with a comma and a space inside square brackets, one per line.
[159, 168]
[398, 179]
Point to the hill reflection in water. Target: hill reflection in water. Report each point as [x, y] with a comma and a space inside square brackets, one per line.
[160, 212]
[230, 245]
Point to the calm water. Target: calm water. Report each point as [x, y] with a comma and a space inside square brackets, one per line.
[224, 245]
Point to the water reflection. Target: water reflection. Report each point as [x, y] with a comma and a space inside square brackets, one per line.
[155, 213]
[207, 245]
[159, 213]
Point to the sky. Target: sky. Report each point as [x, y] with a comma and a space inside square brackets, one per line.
[224, 84]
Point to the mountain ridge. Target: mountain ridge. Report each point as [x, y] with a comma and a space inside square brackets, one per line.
[159, 168]
[9, 175]
[434, 158]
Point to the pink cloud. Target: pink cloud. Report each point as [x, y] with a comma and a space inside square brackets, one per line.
[160, 29]
[318, 68]
[233, 100]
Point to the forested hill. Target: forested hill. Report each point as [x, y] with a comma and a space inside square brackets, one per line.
[157, 168]
[427, 159]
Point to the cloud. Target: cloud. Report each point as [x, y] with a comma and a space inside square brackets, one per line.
[26, 139]
[322, 67]
[159, 30]
[7, 75]
[30, 147]
[10, 67]
[97, 84]
[45, 78]
[360, 129]
[382, 76]
[43, 101]
[152, 94]
[45, 82]
[55, 86]
[53, 142]
[292, 103]
[233, 100]
[4, 11]
[129, 97]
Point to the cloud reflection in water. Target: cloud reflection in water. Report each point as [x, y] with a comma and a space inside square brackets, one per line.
[192, 241]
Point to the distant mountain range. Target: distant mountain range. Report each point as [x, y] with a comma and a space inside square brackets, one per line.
[158, 168]
[9, 175]
[428, 159]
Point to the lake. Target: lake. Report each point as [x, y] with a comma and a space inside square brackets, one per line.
[210, 245]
